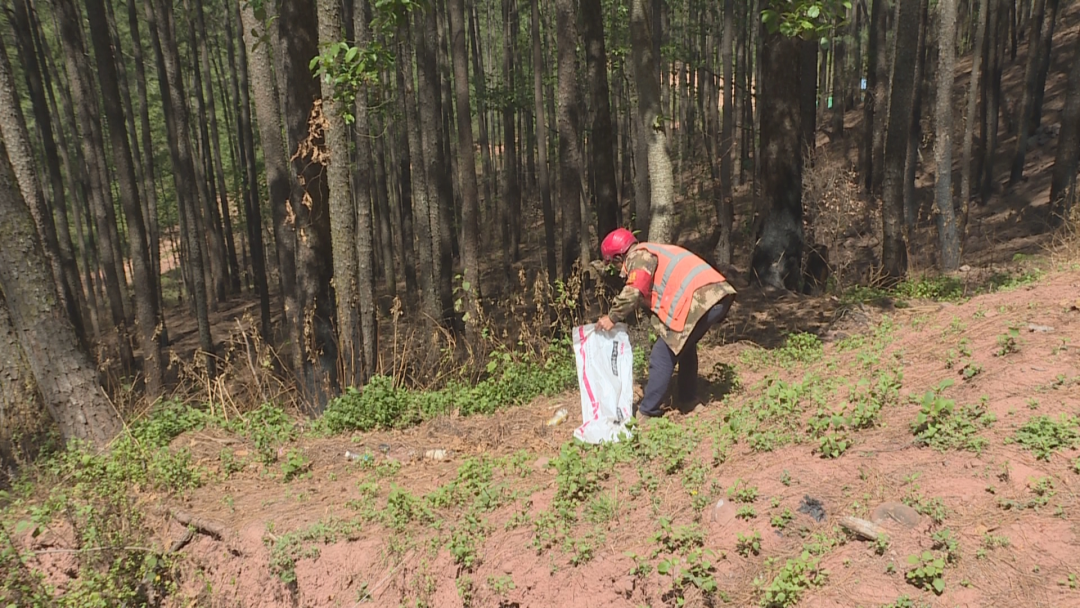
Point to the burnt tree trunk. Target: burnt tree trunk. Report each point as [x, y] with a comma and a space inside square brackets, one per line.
[777, 257]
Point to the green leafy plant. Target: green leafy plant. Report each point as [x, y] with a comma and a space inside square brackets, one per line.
[796, 577]
[1043, 435]
[1008, 342]
[748, 544]
[928, 572]
[695, 571]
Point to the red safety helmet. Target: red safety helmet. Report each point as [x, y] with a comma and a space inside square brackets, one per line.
[616, 243]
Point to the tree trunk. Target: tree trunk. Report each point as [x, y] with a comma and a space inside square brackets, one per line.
[970, 115]
[483, 140]
[901, 96]
[82, 91]
[342, 212]
[62, 369]
[575, 244]
[204, 171]
[993, 99]
[13, 129]
[440, 194]
[911, 156]
[215, 151]
[726, 208]
[875, 110]
[50, 127]
[1039, 26]
[471, 287]
[511, 221]
[1046, 45]
[252, 206]
[839, 84]
[808, 98]
[651, 127]
[943, 120]
[542, 145]
[601, 143]
[1063, 183]
[403, 156]
[174, 107]
[423, 254]
[24, 420]
[149, 170]
[148, 314]
[365, 250]
[777, 257]
[298, 34]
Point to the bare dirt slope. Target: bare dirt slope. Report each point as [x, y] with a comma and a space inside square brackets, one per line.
[497, 524]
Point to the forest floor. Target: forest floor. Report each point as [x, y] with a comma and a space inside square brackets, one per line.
[746, 492]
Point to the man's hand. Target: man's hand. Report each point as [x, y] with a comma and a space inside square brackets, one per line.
[605, 324]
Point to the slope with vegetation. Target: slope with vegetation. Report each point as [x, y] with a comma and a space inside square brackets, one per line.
[961, 408]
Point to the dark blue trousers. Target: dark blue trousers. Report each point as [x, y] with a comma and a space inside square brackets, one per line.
[662, 363]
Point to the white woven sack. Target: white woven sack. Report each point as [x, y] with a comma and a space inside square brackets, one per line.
[605, 366]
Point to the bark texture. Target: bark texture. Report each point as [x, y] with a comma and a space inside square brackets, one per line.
[943, 141]
[63, 371]
[777, 257]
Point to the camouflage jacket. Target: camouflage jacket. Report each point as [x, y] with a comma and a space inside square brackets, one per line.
[631, 297]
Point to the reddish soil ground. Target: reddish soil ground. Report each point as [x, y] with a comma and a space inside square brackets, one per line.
[884, 464]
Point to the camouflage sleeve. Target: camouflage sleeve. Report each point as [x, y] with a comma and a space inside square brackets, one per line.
[640, 268]
[624, 304]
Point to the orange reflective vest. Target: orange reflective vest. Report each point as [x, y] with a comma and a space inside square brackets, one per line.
[679, 273]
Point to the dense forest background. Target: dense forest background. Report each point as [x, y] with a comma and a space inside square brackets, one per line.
[256, 199]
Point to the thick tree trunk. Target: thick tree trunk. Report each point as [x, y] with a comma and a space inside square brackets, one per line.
[24, 421]
[174, 107]
[777, 257]
[148, 314]
[1063, 183]
[901, 96]
[575, 244]
[651, 127]
[298, 34]
[252, 206]
[342, 212]
[13, 129]
[601, 143]
[946, 216]
[725, 205]
[62, 369]
[82, 91]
